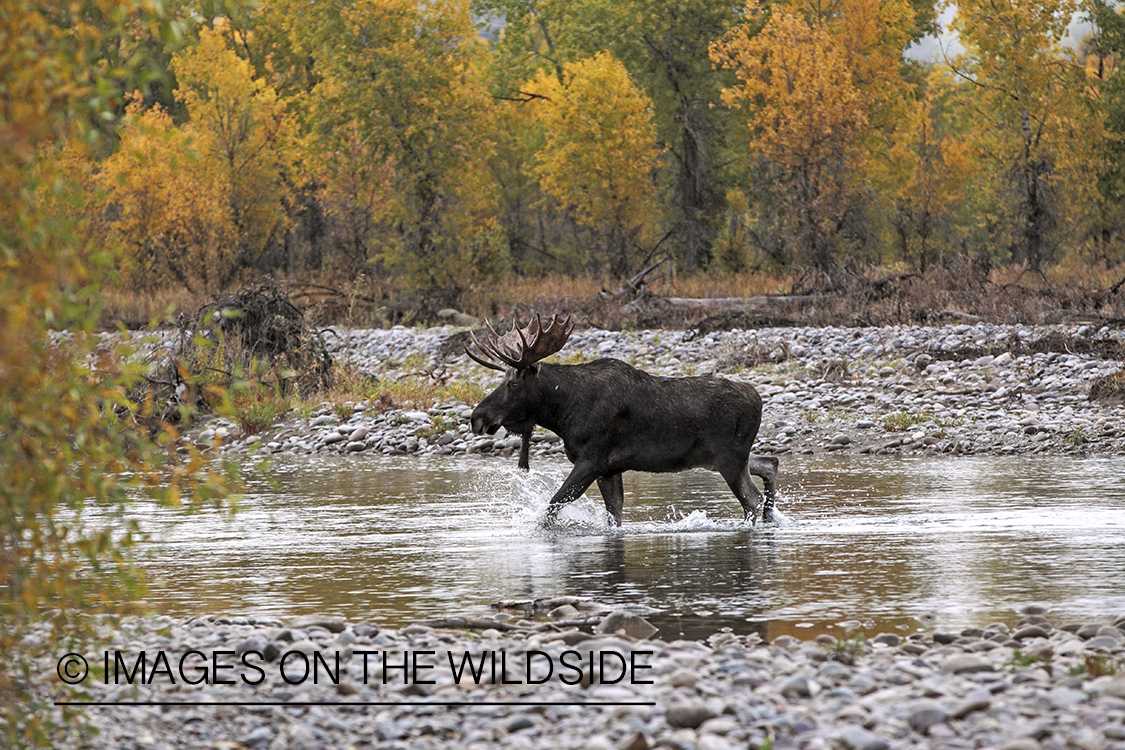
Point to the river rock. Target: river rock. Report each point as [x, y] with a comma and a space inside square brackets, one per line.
[1115, 687]
[633, 625]
[689, 715]
[1031, 631]
[925, 714]
[966, 664]
[329, 623]
[1103, 643]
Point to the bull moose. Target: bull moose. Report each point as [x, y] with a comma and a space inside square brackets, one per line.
[614, 418]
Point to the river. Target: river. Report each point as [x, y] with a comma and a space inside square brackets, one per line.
[894, 544]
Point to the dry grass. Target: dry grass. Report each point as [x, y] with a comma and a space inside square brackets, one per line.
[419, 390]
[1072, 289]
[147, 309]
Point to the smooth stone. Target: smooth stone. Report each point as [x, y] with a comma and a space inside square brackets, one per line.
[972, 704]
[713, 742]
[683, 678]
[966, 664]
[254, 643]
[1115, 687]
[688, 715]
[516, 723]
[564, 612]
[1031, 631]
[798, 686]
[638, 741]
[1067, 697]
[1111, 632]
[925, 714]
[331, 624]
[1103, 643]
[858, 738]
[358, 433]
[633, 625]
[1088, 631]
[258, 737]
[1024, 743]
[887, 639]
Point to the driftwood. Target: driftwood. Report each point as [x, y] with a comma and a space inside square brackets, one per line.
[549, 603]
[467, 623]
[728, 304]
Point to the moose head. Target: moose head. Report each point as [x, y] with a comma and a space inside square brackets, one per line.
[514, 402]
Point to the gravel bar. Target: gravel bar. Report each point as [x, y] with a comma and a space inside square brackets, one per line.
[1027, 686]
[894, 390]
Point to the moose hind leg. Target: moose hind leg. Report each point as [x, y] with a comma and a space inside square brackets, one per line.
[766, 468]
[613, 493]
[738, 479]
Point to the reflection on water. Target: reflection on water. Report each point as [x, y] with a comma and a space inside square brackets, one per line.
[902, 543]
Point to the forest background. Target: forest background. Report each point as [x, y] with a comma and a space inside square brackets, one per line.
[436, 152]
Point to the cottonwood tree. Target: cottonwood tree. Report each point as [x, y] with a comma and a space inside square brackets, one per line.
[1032, 124]
[599, 154]
[663, 44]
[166, 203]
[406, 75]
[924, 177]
[251, 133]
[796, 86]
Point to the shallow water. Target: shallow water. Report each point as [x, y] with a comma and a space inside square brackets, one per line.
[894, 543]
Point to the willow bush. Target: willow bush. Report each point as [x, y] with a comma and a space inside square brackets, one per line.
[71, 448]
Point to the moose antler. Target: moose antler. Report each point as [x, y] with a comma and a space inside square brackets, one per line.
[522, 347]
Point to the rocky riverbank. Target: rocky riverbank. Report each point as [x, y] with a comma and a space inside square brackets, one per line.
[321, 682]
[968, 389]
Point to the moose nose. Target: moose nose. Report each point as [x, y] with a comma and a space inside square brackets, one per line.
[477, 423]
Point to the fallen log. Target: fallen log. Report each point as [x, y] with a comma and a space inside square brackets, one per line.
[466, 623]
[725, 304]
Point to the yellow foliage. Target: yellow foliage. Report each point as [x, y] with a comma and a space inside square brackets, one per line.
[924, 177]
[406, 76]
[70, 453]
[169, 204]
[1035, 123]
[250, 134]
[600, 151]
[806, 116]
[196, 203]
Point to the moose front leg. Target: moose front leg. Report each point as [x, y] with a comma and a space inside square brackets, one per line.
[579, 480]
[613, 494]
[525, 451]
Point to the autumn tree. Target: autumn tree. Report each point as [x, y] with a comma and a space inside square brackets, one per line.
[1032, 124]
[923, 178]
[663, 44]
[407, 75]
[599, 154]
[244, 125]
[167, 205]
[807, 115]
[1105, 49]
